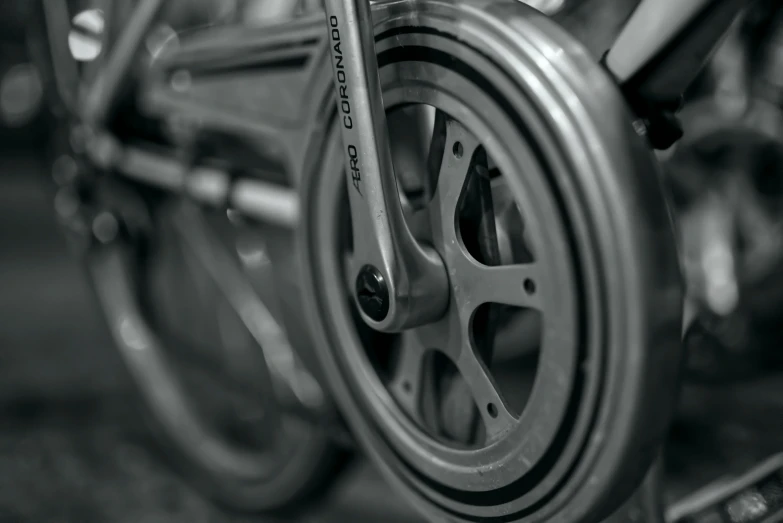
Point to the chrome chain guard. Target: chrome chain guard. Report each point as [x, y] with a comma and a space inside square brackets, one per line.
[272, 87]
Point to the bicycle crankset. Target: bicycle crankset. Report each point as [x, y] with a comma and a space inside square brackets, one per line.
[518, 166]
[541, 386]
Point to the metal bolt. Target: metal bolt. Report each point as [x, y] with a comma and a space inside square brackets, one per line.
[372, 293]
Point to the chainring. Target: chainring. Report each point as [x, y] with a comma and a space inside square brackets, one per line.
[513, 82]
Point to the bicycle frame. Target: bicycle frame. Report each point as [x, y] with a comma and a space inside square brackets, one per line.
[666, 31]
[656, 27]
[642, 56]
[657, 50]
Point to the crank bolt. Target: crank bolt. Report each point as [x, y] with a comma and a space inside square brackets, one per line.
[372, 293]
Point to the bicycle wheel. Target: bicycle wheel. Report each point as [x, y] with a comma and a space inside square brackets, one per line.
[187, 322]
[546, 210]
[207, 337]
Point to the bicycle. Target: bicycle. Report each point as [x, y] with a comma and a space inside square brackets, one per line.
[526, 218]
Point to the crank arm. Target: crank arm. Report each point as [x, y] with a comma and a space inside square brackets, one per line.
[399, 283]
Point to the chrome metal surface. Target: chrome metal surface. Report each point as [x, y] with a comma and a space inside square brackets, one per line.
[414, 275]
[665, 44]
[652, 26]
[254, 198]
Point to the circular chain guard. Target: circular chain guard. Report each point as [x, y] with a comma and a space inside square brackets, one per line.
[522, 110]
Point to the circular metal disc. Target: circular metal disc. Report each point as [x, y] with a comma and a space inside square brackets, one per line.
[605, 276]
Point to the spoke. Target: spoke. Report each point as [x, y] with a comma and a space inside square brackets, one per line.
[406, 386]
[435, 153]
[452, 150]
[519, 285]
[497, 418]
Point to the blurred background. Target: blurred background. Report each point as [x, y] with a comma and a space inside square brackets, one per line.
[74, 442]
